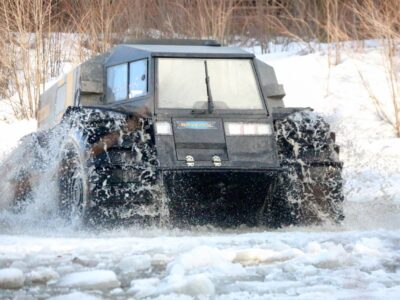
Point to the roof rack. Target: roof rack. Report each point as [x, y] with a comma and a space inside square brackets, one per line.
[177, 42]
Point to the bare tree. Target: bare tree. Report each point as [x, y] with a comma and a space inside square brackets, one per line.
[25, 30]
[381, 20]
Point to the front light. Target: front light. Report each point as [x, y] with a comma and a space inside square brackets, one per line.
[242, 128]
[163, 128]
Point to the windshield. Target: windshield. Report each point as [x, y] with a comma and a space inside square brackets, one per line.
[182, 84]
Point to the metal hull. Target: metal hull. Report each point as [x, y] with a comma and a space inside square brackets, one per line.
[224, 198]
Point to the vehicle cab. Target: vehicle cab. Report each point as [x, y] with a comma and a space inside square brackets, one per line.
[207, 102]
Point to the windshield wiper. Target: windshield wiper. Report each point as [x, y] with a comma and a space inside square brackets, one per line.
[210, 101]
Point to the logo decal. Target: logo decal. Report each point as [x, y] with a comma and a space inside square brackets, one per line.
[201, 125]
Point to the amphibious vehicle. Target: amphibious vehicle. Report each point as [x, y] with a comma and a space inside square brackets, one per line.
[188, 132]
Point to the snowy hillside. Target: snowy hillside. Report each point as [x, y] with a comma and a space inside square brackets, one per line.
[355, 260]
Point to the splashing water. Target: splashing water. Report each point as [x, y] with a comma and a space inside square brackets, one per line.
[40, 154]
[38, 208]
[39, 213]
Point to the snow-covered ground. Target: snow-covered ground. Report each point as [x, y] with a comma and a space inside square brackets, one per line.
[360, 259]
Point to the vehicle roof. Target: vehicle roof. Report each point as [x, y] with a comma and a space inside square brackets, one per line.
[130, 52]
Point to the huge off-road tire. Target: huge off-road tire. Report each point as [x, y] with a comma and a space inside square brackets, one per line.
[107, 173]
[311, 183]
[73, 183]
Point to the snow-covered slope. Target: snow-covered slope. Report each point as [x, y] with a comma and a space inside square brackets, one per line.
[12, 132]
[358, 259]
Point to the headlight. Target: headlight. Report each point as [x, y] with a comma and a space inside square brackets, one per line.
[242, 128]
[163, 128]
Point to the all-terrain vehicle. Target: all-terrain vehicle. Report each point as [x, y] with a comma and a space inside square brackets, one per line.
[190, 132]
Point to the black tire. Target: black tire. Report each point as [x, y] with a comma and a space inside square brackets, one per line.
[73, 185]
[115, 155]
[312, 183]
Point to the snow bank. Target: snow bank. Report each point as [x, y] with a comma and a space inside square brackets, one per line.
[11, 278]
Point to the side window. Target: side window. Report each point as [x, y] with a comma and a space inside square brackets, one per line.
[138, 78]
[117, 81]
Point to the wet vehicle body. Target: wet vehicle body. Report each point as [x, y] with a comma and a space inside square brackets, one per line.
[191, 131]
